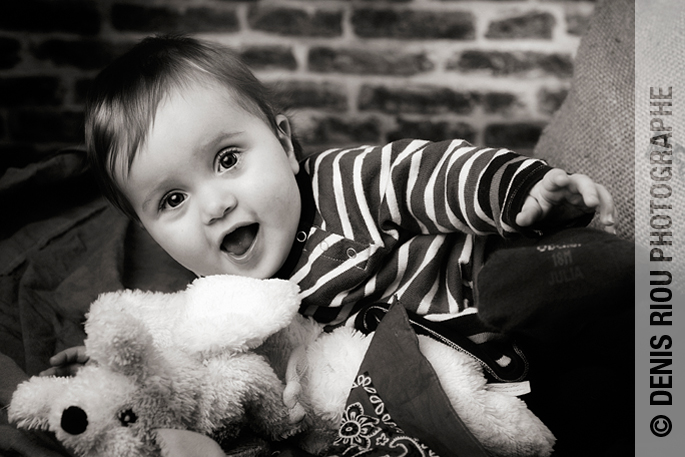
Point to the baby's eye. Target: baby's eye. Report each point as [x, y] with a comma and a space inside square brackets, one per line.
[172, 200]
[227, 159]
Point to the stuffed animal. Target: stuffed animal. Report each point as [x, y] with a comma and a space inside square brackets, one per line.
[213, 359]
[501, 422]
[159, 360]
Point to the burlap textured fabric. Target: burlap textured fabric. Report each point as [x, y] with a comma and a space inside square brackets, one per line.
[593, 131]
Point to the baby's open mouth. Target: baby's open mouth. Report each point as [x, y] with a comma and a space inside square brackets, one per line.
[239, 240]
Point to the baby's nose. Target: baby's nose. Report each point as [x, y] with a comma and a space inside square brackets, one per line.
[217, 205]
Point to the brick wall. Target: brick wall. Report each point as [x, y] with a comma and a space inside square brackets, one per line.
[355, 71]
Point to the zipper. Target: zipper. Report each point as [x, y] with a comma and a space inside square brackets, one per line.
[441, 339]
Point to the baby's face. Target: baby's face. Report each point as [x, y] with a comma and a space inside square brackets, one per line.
[215, 186]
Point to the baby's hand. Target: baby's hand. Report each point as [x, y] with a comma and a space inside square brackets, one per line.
[565, 197]
[67, 362]
[293, 388]
[186, 443]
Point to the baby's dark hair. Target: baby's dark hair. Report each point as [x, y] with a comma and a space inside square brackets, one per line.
[124, 98]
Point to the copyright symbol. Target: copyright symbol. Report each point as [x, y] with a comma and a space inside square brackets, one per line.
[660, 426]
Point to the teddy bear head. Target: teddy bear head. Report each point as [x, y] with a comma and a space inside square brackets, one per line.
[151, 355]
[103, 411]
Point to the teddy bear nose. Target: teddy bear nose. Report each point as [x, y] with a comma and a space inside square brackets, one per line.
[74, 420]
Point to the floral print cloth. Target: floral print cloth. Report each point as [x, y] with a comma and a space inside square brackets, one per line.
[396, 405]
[367, 429]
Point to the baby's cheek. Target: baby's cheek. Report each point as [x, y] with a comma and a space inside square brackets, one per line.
[186, 249]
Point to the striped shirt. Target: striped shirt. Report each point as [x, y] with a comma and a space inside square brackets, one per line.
[402, 222]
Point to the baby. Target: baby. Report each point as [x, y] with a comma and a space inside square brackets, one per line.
[187, 142]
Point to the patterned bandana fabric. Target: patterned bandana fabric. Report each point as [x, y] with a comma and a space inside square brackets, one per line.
[397, 406]
[368, 429]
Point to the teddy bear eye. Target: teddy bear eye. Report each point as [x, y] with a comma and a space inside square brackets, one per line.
[127, 417]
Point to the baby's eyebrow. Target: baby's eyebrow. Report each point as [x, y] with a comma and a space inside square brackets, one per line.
[213, 142]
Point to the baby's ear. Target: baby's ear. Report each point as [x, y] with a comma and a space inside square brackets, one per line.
[288, 141]
[284, 130]
[226, 312]
[32, 402]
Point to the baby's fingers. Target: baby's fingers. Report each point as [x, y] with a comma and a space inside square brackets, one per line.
[607, 210]
[66, 362]
[185, 443]
[531, 212]
[596, 197]
[76, 354]
[293, 388]
[63, 370]
[555, 180]
[587, 188]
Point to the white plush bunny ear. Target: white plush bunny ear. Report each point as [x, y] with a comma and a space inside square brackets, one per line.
[157, 311]
[31, 403]
[227, 312]
[123, 342]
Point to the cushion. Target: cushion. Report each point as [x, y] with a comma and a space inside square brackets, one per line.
[593, 131]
